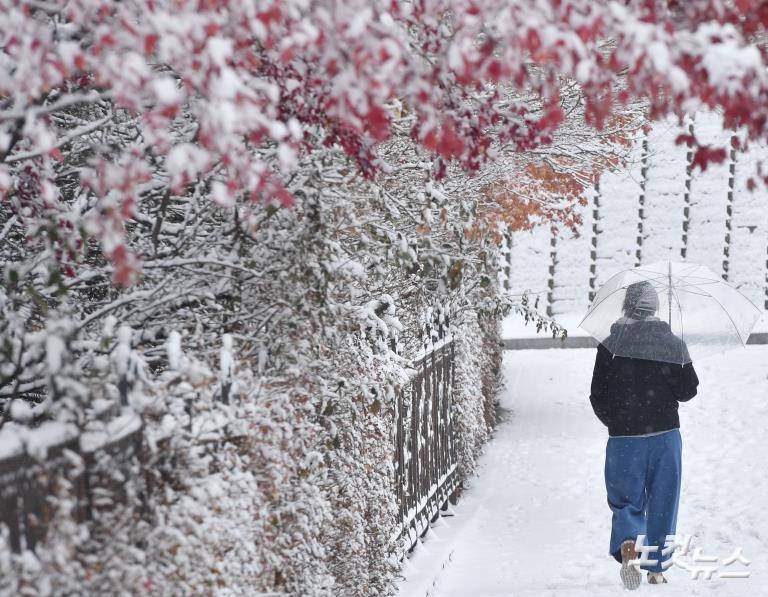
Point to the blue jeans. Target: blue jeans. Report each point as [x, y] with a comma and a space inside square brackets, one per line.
[642, 478]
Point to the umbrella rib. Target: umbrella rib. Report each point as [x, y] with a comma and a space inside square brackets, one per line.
[660, 276]
[602, 300]
[687, 280]
[749, 300]
[678, 281]
[656, 276]
[682, 327]
[685, 283]
[735, 327]
[701, 293]
[690, 268]
[705, 282]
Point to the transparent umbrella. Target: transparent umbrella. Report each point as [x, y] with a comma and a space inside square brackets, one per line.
[672, 312]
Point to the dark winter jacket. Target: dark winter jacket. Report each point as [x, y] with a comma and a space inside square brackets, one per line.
[636, 396]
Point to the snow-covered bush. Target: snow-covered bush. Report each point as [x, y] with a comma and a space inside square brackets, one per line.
[264, 358]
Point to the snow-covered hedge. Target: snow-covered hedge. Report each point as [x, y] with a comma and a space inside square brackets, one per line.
[261, 343]
[263, 353]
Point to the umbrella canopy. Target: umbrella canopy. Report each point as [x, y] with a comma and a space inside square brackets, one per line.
[672, 312]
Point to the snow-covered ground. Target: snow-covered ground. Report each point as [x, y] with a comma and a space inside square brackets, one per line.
[535, 521]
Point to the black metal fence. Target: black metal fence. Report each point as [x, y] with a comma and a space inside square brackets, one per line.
[425, 453]
[94, 472]
[90, 472]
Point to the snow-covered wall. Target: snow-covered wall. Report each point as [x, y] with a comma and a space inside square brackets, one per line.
[654, 208]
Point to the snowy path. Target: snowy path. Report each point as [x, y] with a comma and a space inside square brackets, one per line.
[535, 522]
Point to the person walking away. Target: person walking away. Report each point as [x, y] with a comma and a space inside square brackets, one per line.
[637, 400]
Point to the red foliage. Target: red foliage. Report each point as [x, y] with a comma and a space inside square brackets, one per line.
[536, 195]
[705, 154]
[299, 76]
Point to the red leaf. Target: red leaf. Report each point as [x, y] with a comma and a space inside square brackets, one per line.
[169, 111]
[126, 267]
[452, 145]
[378, 123]
[212, 29]
[552, 118]
[624, 97]
[128, 208]
[429, 140]
[705, 154]
[273, 14]
[119, 253]
[59, 66]
[150, 43]
[447, 142]
[496, 70]
[286, 199]
[533, 41]
[108, 39]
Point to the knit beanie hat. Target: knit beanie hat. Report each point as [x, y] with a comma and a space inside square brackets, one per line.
[641, 300]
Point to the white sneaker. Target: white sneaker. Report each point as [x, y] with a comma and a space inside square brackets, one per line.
[629, 573]
[656, 578]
